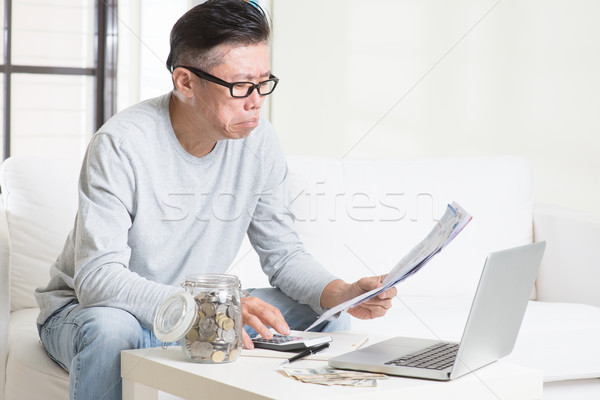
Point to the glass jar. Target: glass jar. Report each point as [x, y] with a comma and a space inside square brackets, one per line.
[206, 318]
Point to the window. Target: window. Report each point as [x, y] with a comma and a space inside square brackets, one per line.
[57, 74]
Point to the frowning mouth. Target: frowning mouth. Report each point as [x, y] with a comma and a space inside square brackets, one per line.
[250, 123]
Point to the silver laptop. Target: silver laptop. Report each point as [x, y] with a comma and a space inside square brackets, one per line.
[490, 332]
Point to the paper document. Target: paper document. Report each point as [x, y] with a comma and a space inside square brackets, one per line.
[452, 222]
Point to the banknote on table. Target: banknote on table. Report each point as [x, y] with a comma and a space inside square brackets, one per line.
[332, 376]
[346, 382]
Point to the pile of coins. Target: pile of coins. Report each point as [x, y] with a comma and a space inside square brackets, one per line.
[216, 334]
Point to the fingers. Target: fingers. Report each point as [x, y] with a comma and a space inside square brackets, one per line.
[373, 308]
[376, 306]
[248, 344]
[372, 282]
[369, 283]
[388, 294]
[260, 315]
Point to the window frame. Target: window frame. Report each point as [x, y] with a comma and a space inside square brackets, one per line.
[104, 70]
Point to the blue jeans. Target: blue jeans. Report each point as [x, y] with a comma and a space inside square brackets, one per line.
[87, 342]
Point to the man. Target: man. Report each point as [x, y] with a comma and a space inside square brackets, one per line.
[170, 187]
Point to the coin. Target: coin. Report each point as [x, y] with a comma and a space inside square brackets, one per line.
[223, 296]
[211, 297]
[199, 296]
[192, 335]
[204, 349]
[227, 324]
[222, 309]
[208, 309]
[218, 356]
[227, 335]
[233, 354]
[219, 318]
[206, 336]
[207, 324]
[232, 311]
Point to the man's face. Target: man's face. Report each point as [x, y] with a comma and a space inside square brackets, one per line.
[227, 117]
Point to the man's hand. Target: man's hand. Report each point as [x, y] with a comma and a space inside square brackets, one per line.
[259, 315]
[338, 291]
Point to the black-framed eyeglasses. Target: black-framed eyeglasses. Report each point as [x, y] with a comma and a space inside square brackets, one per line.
[239, 90]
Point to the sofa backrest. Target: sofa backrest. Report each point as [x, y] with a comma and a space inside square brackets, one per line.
[40, 202]
[359, 217]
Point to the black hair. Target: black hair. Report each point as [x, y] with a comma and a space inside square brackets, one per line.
[213, 23]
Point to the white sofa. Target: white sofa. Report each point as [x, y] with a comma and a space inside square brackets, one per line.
[358, 217]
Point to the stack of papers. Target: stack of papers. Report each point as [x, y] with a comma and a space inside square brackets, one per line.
[452, 222]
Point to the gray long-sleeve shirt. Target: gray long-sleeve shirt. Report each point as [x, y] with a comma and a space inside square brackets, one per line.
[150, 214]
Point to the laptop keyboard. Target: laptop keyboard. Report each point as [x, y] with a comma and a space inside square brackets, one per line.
[438, 356]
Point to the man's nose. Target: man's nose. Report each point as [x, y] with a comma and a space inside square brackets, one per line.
[254, 101]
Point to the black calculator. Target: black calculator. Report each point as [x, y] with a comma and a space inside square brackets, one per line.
[289, 342]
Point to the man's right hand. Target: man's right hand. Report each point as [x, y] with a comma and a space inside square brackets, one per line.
[258, 314]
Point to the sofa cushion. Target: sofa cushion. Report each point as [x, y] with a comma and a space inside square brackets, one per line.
[40, 200]
[560, 339]
[30, 373]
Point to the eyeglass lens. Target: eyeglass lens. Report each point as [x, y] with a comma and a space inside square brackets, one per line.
[244, 89]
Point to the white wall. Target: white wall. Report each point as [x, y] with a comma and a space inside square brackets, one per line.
[144, 28]
[407, 79]
[423, 78]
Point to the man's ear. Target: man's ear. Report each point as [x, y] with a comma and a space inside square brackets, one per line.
[182, 81]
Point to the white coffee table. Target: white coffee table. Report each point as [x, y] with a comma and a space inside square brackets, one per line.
[147, 371]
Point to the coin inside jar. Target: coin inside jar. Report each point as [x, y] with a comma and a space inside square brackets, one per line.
[234, 313]
[223, 296]
[218, 356]
[201, 349]
[222, 309]
[207, 324]
[227, 324]
[227, 335]
[233, 354]
[192, 335]
[208, 309]
[219, 318]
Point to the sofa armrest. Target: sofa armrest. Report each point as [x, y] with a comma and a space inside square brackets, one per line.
[570, 270]
[4, 294]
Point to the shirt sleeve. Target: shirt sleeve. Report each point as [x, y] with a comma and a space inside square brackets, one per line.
[101, 250]
[271, 232]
